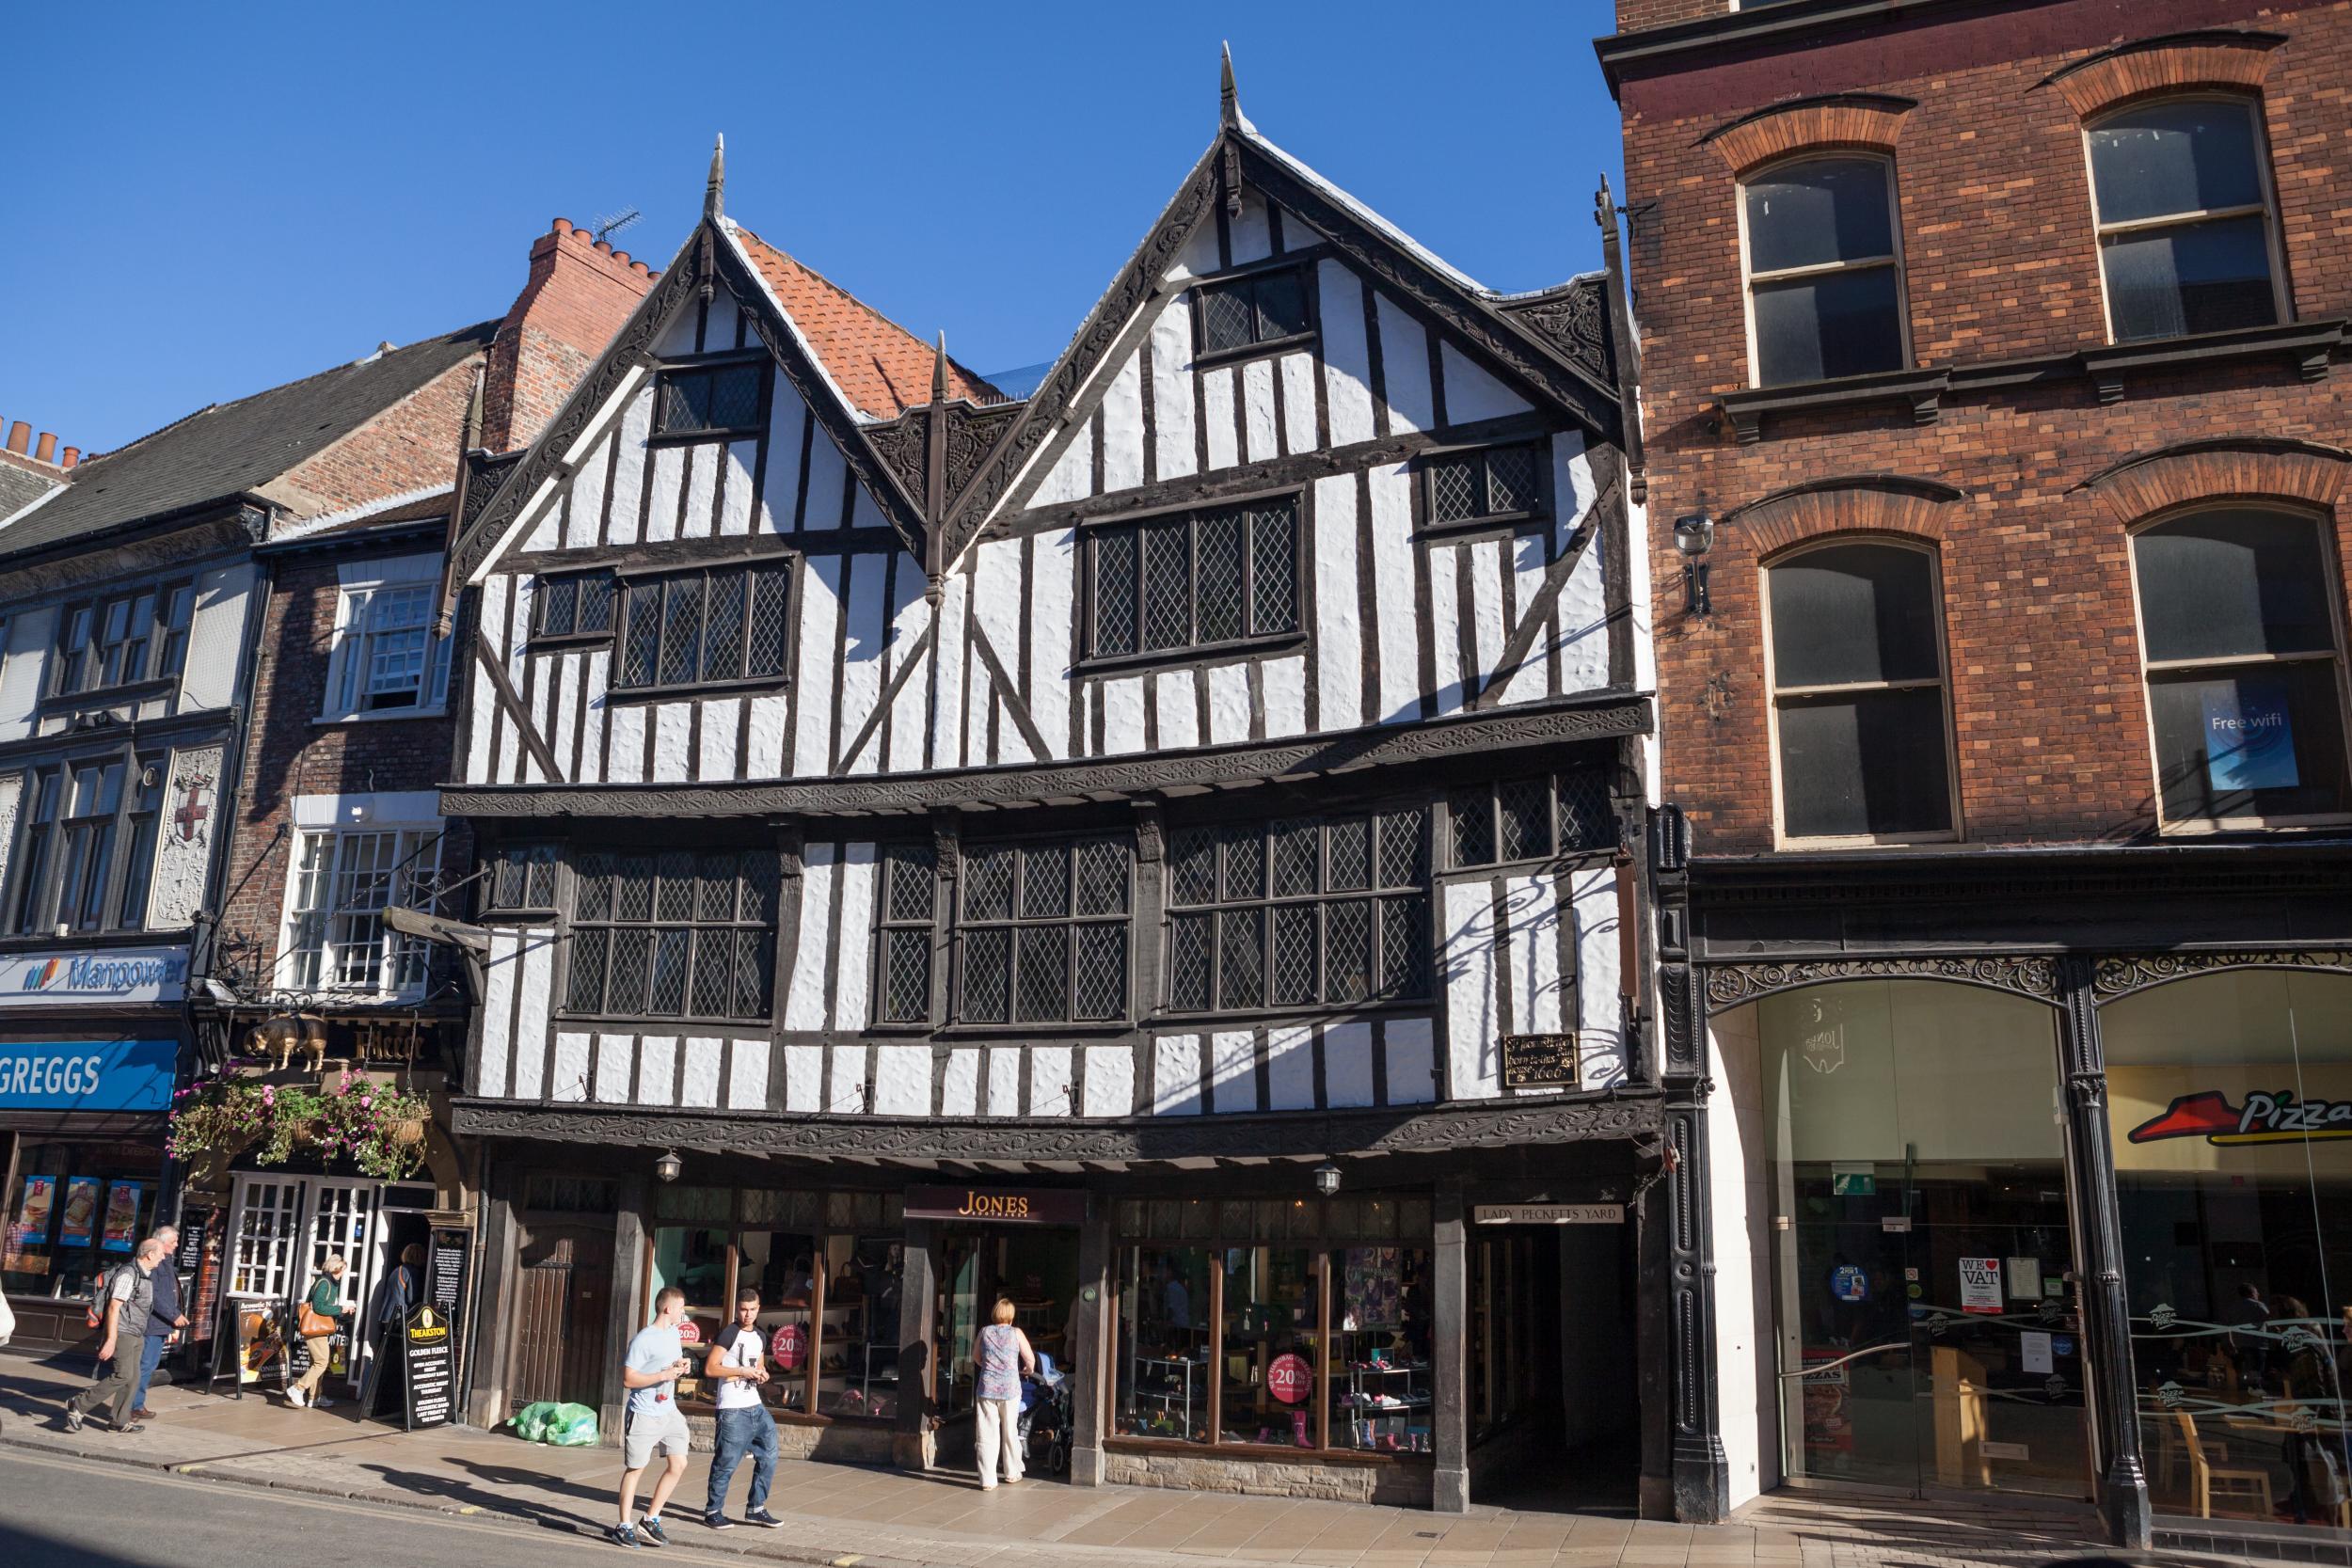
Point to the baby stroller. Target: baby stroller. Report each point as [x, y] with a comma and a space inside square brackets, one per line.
[1044, 1425]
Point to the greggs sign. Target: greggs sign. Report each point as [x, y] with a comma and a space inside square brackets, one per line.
[997, 1205]
[2264, 1118]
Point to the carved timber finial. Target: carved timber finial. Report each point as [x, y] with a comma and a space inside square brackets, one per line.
[939, 372]
[1229, 97]
[714, 193]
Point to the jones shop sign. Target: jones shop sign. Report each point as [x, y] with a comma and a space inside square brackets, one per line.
[111, 975]
[86, 1075]
[997, 1205]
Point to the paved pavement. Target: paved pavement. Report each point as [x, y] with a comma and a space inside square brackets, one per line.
[838, 1515]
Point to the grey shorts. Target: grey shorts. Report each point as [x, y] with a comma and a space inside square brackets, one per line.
[645, 1435]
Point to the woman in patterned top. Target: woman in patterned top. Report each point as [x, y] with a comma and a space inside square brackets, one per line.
[1003, 1354]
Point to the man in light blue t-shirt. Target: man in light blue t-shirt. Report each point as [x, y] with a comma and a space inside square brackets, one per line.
[652, 1422]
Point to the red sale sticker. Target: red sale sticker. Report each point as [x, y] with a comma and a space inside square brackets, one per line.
[1290, 1379]
[789, 1346]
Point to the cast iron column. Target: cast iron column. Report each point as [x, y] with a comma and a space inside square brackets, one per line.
[2105, 1309]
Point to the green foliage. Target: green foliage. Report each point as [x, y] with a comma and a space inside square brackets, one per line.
[376, 1125]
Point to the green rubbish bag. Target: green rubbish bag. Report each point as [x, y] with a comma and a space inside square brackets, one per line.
[569, 1426]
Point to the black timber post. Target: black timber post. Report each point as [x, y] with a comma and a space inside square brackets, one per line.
[1450, 1318]
[1088, 1364]
[625, 1313]
[918, 1287]
[1697, 1471]
[2105, 1309]
[494, 1298]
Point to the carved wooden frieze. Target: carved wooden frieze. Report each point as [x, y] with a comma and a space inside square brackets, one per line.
[1574, 319]
[1731, 985]
[2118, 976]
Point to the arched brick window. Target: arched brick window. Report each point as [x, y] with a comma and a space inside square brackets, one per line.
[1825, 268]
[2187, 229]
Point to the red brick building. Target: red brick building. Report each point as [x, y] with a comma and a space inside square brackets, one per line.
[1993, 455]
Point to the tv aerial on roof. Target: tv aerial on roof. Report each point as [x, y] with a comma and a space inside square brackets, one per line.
[612, 223]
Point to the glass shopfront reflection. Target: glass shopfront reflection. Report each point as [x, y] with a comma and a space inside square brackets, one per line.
[1928, 1328]
[2230, 1097]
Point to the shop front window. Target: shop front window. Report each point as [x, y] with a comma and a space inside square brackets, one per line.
[1381, 1350]
[859, 1374]
[2229, 1099]
[1273, 1359]
[77, 1209]
[782, 1265]
[1163, 1338]
[1926, 1324]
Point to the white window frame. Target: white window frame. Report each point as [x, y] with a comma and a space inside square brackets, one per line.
[1782, 837]
[365, 591]
[2198, 826]
[1749, 278]
[2252, 106]
[416, 852]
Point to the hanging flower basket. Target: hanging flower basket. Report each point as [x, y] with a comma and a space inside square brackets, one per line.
[381, 1128]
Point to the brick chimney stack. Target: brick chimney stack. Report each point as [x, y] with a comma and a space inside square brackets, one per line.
[39, 453]
[580, 292]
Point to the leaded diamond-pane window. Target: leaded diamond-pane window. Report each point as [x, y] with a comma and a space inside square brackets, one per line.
[910, 897]
[1202, 581]
[1534, 818]
[1044, 933]
[1285, 914]
[717, 399]
[1491, 485]
[704, 627]
[676, 934]
[1263, 309]
[579, 604]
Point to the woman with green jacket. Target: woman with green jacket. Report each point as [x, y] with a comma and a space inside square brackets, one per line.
[326, 1298]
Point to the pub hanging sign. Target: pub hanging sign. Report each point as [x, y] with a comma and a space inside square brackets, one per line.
[1539, 1061]
[997, 1205]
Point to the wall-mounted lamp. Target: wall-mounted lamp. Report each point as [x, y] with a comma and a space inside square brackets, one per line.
[668, 1167]
[1327, 1179]
[1695, 535]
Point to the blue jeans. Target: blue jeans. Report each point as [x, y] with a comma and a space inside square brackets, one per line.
[151, 1356]
[745, 1429]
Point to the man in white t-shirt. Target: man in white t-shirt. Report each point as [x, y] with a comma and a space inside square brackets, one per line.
[737, 1367]
[652, 1422]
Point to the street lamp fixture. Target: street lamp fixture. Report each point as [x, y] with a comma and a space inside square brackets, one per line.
[668, 1167]
[1327, 1179]
[1695, 535]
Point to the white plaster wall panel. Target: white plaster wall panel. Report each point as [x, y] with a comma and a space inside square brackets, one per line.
[1248, 231]
[902, 1081]
[1539, 989]
[947, 671]
[1346, 358]
[215, 639]
[1485, 560]
[1110, 1090]
[1072, 474]
[826, 476]
[1284, 682]
[1584, 621]
[1348, 1065]
[804, 992]
[1050, 1084]
[656, 1069]
[570, 1084]
[1746, 1371]
[1639, 590]
[1411, 1064]
[482, 717]
[614, 1068]
[180, 864]
[771, 714]
[786, 422]
[960, 1083]
[1528, 561]
[662, 501]
[1233, 1071]
[1466, 959]
[1123, 715]
[1199, 257]
[803, 1078]
[1298, 402]
[1123, 428]
[1395, 651]
[543, 532]
[627, 753]
[12, 795]
[1257, 407]
[1012, 747]
[1053, 577]
[535, 979]
[698, 1078]
[979, 704]
[909, 620]
[1445, 624]
[1290, 1068]
[1404, 365]
[498, 1013]
[672, 728]
[861, 643]
[848, 1097]
[518, 766]
[698, 515]
[723, 720]
[629, 467]
[1172, 409]
[1229, 703]
[1004, 1080]
[735, 498]
[996, 603]
[565, 672]
[718, 323]
[1216, 416]
[583, 525]
[31, 635]
[546, 695]
[1176, 1075]
[1339, 616]
[1179, 710]
[813, 671]
[858, 875]
[1472, 394]
[747, 1075]
[683, 334]
[866, 511]
[1599, 1042]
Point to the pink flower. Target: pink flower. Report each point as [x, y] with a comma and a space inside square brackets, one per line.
[366, 1102]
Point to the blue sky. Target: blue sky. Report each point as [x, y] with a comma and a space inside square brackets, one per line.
[205, 201]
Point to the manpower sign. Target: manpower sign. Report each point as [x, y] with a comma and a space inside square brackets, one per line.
[86, 1075]
[109, 975]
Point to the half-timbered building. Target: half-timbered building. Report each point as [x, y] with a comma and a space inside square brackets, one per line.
[1158, 850]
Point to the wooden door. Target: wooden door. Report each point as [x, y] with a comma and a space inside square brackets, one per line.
[560, 1320]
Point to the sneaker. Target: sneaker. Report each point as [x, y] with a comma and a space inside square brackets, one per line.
[296, 1398]
[127, 1430]
[621, 1535]
[764, 1519]
[717, 1521]
[142, 1413]
[72, 1419]
[322, 1402]
[650, 1527]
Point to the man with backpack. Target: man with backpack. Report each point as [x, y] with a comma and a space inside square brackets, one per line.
[128, 1295]
[164, 1320]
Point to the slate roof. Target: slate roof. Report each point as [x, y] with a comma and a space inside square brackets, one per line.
[879, 366]
[19, 487]
[230, 448]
